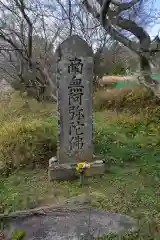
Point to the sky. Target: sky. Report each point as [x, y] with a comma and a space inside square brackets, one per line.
[156, 28]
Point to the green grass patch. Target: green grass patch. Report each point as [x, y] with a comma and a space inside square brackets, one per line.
[30, 189]
[126, 138]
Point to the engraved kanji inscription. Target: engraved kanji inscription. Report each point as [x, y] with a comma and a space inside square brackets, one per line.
[76, 143]
[76, 112]
[75, 95]
[75, 66]
[74, 75]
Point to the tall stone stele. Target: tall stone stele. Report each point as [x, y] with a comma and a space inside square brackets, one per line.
[74, 108]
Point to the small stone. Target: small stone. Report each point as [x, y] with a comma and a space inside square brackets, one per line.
[2, 236]
[98, 162]
[52, 161]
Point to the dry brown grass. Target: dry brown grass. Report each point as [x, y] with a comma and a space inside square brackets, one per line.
[130, 99]
[27, 132]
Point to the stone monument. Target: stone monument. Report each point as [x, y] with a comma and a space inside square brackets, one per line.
[74, 109]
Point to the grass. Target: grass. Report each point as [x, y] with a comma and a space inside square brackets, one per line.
[129, 142]
[28, 133]
[126, 138]
[132, 99]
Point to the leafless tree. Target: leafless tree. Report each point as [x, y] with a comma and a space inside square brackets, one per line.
[116, 59]
[122, 18]
[31, 30]
[21, 30]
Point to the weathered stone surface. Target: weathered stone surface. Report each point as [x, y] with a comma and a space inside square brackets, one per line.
[74, 81]
[53, 161]
[59, 171]
[69, 223]
[97, 168]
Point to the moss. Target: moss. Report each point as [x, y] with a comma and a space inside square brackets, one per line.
[18, 235]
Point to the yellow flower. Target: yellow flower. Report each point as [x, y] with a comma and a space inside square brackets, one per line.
[81, 166]
[77, 168]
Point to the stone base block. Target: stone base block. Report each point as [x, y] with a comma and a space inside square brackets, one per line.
[61, 172]
[97, 168]
[66, 172]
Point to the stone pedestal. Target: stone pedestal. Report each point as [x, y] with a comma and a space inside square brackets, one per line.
[61, 171]
[68, 171]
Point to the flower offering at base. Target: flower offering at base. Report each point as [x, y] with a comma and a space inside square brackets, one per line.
[81, 167]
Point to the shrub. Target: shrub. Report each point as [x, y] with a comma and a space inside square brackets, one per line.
[28, 132]
[27, 143]
[130, 99]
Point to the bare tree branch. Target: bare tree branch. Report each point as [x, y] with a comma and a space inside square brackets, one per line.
[125, 6]
[113, 21]
[104, 10]
[21, 7]
[70, 16]
[132, 27]
[112, 30]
